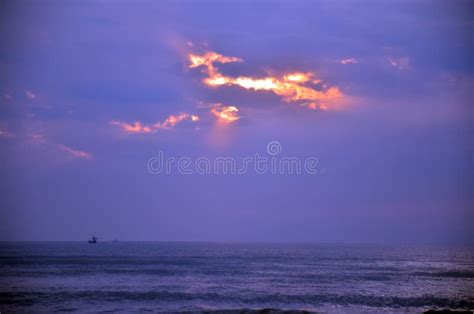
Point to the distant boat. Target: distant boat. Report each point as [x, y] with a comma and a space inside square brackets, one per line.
[93, 240]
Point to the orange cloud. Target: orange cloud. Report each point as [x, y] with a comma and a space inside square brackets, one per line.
[136, 127]
[226, 114]
[208, 60]
[169, 122]
[315, 106]
[172, 120]
[75, 153]
[292, 87]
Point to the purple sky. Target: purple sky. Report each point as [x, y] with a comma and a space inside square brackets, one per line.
[395, 146]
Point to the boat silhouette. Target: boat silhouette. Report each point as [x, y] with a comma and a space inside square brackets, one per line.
[93, 240]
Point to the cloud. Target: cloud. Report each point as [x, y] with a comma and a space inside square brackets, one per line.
[316, 106]
[136, 127]
[75, 153]
[399, 63]
[349, 61]
[36, 138]
[4, 132]
[7, 96]
[292, 87]
[30, 95]
[208, 60]
[172, 120]
[225, 114]
[169, 122]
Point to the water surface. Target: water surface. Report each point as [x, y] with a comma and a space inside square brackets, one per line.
[141, 276]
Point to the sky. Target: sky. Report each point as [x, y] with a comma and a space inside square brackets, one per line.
[379, 93]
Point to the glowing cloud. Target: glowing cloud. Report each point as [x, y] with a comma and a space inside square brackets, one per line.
[136, 127]
[172, 120]
[315, 106]
[291, 87]
[75, 153]
[226, 114]
[169, 122]
[208, 60]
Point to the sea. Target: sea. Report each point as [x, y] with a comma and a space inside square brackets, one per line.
[233, 277]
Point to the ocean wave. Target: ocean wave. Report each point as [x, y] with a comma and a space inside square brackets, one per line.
[31, 298]
[447, 274]
[94, 270]
[98, 260]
